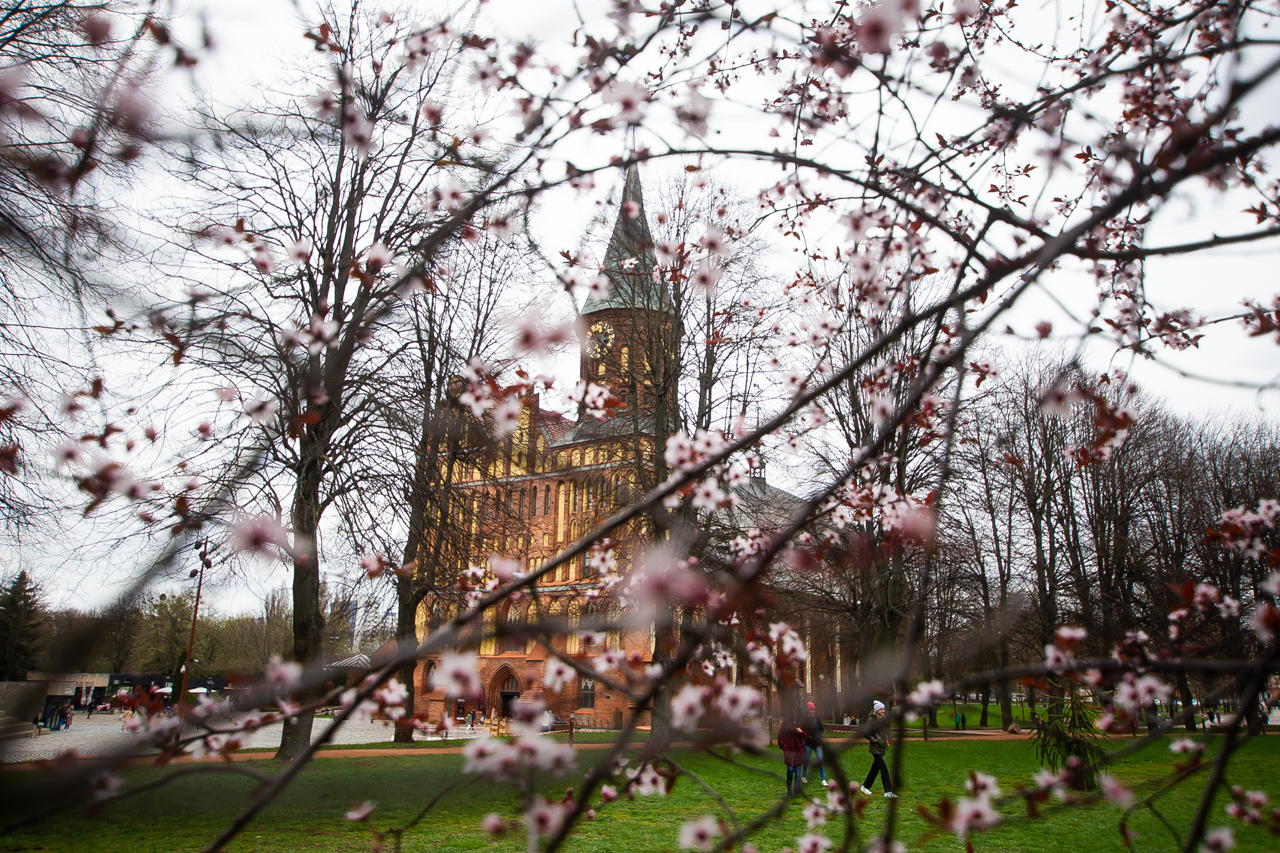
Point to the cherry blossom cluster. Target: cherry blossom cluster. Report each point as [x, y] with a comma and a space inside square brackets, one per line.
[716, 489]
[500, 760]
[724, 703]
[1250, 808]
[596, 400]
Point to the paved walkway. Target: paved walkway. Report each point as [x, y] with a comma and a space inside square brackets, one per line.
[101, 734]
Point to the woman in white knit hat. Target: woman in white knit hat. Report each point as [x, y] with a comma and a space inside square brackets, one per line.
[879, 744]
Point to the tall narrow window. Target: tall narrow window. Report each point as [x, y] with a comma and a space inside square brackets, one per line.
[546, 501]
[514, 640]
[586, 692]
[533, 502]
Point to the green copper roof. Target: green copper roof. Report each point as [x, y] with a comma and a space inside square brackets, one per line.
[631, 285]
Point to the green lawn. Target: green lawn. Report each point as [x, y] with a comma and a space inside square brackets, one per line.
[187, 813]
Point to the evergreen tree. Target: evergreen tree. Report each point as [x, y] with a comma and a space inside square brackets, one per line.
[20, 618]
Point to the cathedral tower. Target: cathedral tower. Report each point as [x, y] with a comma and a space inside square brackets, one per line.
[632, 333]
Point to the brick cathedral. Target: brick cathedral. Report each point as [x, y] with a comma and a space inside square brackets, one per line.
[549, 482]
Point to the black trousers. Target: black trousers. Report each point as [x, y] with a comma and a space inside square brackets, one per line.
[878, 767]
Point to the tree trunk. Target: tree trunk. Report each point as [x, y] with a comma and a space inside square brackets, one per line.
[1002, 688]
[308, 621]
[1184, 691]
[986, 703]
[406, 647]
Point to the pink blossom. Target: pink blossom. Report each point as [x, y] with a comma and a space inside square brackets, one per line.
[736, 701]
[965, 11]
[630, 99]
[261, 411]
[260, 534]
[1069, 634]
[706, 275]
[490, 756]
[283, 676]
[544, 818]
[457, 672]
[1114, 791]
[361, 811]
[812, 843]
[879, 24]
[357, 130]
[506, 416]
[699, 834]
[432, 113]
[973, 814]
[715, 242]
[558, 674]
[979, 784]
[926, 694]
[647, 781]
[693, 114]
[377, 257]
[1219, 840]
[493, 824]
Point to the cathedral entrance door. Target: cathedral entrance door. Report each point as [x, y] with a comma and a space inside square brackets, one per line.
[508, 693]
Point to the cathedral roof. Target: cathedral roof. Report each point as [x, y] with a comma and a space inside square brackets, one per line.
[631, 285]
[590, 429]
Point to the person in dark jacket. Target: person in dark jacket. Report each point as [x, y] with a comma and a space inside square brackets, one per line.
[791, 740]
[812, 726]
[879, 744]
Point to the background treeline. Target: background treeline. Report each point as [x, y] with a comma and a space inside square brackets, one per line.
[150, 635]
[1030, 539]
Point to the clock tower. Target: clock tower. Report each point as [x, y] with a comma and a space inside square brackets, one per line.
[631, 334]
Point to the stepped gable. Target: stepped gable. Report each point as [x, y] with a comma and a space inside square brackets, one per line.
[632, 287]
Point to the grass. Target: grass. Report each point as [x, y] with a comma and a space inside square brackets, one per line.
[309, 816]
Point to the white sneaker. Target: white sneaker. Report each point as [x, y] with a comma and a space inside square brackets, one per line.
[890, 795]
[804, 780]
[865, 790]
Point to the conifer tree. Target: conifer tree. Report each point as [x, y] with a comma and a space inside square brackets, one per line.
[20, 616]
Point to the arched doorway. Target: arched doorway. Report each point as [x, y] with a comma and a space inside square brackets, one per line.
[508, 692]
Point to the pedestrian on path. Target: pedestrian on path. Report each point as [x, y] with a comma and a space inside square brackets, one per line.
[791, 741]
[813, 729]
[879, 744]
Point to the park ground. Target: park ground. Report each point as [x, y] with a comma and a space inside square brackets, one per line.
[187, 813]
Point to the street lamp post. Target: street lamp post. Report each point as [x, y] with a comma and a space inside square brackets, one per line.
[195, 614]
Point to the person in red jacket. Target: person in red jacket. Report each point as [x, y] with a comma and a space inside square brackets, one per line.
[791, 740]
[813, 730]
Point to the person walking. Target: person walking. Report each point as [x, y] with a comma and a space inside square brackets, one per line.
[879, 744]
[813, 729]
[791, 741]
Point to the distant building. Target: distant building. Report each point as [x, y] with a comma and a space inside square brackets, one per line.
[554, 478]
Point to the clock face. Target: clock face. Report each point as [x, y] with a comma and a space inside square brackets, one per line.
[600, 339]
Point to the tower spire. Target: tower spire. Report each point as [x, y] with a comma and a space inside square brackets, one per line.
[629, 260]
